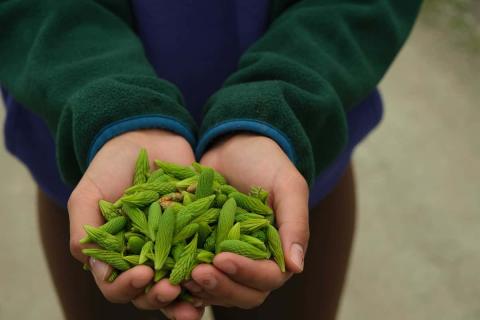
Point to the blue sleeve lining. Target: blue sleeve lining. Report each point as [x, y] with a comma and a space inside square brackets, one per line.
[138, 122]
[250, 125]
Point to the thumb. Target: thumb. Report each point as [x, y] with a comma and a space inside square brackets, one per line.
[291, 209]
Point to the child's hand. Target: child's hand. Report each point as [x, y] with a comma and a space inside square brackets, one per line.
[107, 176]
[246, 160]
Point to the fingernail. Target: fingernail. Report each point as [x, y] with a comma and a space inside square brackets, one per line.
[229, 267]
[161, 299]
[99, 269]
[193, 287]
[209, 282]
[296, 252]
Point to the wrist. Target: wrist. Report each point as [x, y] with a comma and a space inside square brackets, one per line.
[137, 124]
[244, 128]
[149, 138]
[238, 137]
[160, 142]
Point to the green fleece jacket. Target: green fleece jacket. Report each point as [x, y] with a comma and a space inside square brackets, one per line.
[80, 66]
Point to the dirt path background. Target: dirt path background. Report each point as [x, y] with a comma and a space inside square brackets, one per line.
[417, 251]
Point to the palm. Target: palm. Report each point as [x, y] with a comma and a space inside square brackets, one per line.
[111, 171]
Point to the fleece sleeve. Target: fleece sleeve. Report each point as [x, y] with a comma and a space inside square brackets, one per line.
[317, 59]
[80, 66]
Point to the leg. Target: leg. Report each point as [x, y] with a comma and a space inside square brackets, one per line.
[316, 293]
[78, 294]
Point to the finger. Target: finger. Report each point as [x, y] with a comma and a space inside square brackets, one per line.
[126, 287]
[220, 290]
[183, 311]
[159, 296]
[263, 275]
[291, 212]
[83, 209]
[193, 287]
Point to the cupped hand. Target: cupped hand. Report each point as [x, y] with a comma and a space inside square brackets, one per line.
[107, 176]
[251, 160]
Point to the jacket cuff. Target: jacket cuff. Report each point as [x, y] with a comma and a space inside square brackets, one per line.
[136, 123]
[250, 125]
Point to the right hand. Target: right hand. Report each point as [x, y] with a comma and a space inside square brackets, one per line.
[110, 173]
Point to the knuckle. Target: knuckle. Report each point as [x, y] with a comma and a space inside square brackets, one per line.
[302, 184]
[301, 233]
[297, 180]
[301, 228]
[75, 248]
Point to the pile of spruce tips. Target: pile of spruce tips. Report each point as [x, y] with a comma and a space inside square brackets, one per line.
[176, 217]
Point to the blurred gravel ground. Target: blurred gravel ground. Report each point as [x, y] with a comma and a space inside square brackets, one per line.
[417, 250]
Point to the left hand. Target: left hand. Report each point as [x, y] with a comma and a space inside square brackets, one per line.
[247, 160]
